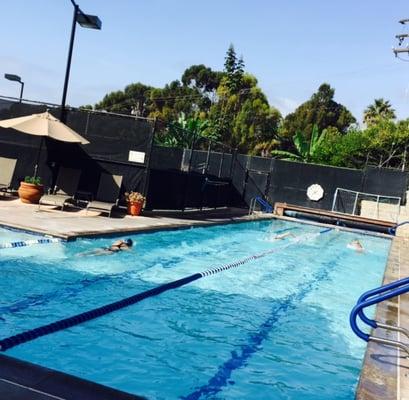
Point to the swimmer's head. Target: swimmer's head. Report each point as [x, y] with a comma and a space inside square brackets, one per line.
[129, 242]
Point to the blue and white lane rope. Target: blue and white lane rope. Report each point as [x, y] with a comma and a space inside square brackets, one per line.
[69, 322]
[75, 288]
[30, 242]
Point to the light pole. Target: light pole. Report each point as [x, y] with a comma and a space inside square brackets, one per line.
[16, 78]
[86, 21]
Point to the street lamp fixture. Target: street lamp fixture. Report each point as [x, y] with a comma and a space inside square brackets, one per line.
[16, 78]
[86, 21]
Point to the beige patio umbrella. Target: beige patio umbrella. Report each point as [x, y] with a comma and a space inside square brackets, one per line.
[44, 125]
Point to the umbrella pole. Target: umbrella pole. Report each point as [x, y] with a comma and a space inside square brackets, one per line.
[38, 158]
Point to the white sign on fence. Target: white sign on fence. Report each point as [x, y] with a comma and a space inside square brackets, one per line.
[136, 156]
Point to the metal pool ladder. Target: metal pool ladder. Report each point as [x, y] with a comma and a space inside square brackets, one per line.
[376, 296]
[264, 205]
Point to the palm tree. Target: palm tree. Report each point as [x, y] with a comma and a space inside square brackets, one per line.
[306, 151]
[380, 110]
[183, 132]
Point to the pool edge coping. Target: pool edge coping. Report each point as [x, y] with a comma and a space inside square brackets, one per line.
[183, 224]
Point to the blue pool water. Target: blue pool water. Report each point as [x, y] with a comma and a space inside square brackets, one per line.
[273, 328]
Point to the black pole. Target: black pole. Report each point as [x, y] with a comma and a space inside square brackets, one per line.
[221, 165]
[67, 71]
[233, 161]
[192, 146]
[21, 91]
[38, 157]
[204, 172]
[206, 166]
[148, 162]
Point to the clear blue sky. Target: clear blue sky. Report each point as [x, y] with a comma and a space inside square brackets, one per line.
[290, 46]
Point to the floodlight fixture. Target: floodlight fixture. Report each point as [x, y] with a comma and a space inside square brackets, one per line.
[16, 78]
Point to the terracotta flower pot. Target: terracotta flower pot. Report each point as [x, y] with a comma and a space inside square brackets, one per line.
[134, 207]
[30, 193]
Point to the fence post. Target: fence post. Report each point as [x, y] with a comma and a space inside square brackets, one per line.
[232, 167]
[334, 199]
[188, 172]
[246, 178]
[233, 161]
[355, 203]
[206, 166]
[148, 161]
[221, 165]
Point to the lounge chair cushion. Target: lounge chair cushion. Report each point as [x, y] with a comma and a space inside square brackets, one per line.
[100, 205]
[66, 187]
[7, 167]
[59, 200]
[107, 194]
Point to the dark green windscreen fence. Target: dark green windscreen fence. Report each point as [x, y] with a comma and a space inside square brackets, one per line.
[205, 175]
[112, 138]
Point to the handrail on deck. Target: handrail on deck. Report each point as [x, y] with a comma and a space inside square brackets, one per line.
[265, 205]
[375, 296]
[376, 291]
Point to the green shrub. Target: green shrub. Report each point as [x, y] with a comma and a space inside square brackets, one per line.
[33, 180]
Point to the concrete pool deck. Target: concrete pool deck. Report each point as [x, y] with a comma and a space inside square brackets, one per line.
[74, 223]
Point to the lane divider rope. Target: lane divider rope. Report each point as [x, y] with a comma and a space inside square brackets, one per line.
[30, 242]
[75, 288]
[69, 322]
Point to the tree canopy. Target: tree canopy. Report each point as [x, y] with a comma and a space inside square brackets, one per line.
[321, 110]
[228, 106]
[379, 110]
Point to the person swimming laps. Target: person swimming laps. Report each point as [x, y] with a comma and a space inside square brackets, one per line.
[116, 247]
[356, 245]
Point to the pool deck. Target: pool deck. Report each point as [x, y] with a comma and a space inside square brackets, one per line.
[385, 371]
[73, 223]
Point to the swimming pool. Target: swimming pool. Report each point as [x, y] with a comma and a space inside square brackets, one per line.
[273, 328]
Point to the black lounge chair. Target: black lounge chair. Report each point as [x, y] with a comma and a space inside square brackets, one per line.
[64, 190]
[107, 194]
[7, 167]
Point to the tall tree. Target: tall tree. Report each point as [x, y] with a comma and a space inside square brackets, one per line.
[320, 110]
[168, 103]
[115, 102]
[202, 77]
[135, 99]
[380, 110]
[234, 69]
[245, 118]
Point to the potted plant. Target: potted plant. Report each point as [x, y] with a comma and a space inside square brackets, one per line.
[31, 190]
[135, 202]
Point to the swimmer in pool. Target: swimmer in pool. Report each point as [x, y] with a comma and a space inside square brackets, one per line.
[282, 236]
[116, 247]
[356, 245]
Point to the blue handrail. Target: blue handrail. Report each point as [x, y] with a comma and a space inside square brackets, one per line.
[392, 230]
[376, 291]
[393, 289]
[265, 206]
